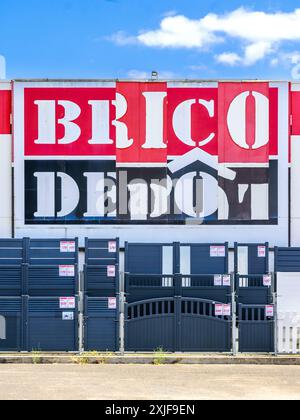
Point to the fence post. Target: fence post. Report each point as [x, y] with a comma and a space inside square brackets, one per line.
[233, 303]
[122, 316]
[81, 313]
[274, 294]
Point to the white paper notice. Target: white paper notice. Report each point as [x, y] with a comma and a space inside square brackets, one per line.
[67, 246]
[261, 251]
[111, 271]
[112, 247]
[112, 303]
[270, 311]
[217, 280]
[218, 309]
[226, 281]
[267, 280]
[66, 271]
[67, 303]
[217, 251]
[226, 310]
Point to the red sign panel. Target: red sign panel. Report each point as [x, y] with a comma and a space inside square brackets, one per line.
[192, 120]
[70, 121]
[244, 122]
[5, 111]
[295, 104]
[141, 128]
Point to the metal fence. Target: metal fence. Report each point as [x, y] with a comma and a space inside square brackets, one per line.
[176, 305]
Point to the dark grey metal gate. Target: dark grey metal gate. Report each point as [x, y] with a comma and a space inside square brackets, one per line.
[176, 324]
[256, 329]
[172, 292]
[101, 295]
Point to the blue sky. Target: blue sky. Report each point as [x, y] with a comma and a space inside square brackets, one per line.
[129, 38]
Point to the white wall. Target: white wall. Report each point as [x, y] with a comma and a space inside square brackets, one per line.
[295, 191]
[5, 179]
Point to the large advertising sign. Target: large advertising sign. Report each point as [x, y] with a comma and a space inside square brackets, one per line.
[151, 160]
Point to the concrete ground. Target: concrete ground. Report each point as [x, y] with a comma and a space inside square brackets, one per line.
[115, 382]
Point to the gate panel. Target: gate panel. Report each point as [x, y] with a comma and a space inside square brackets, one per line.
[206, 287]
[52, 280]
[251, 259]
[150, 286]
[101, 269]
[101, 325]
[151, 324]
[256, 330]
[11, 280]
[52, 251]
[204, 269]
[252, 290]
[176, 324]
[51, 327]
[149, 258]
[208, 258]
[287, 260]
[201, 329]
[11, 324]
[102, 252]
[12, 257]
[287, 267]
[12, 252]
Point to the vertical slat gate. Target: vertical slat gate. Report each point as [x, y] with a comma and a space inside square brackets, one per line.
[101, 295]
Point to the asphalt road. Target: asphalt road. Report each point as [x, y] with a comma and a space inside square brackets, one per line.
[115, 382]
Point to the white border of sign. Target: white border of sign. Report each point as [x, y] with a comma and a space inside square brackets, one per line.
[275, 234]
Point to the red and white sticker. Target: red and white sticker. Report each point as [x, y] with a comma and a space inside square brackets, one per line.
[111, 271]
[67, 246]
[217, 251]
[226, 281]
[261, 252]
[269, 311]
[218, 309]
[67, 303]
[226, 310]
[112, 247]
[66, 271]
[112, 303]
[217, 280]
[267, 280]
[222, 309]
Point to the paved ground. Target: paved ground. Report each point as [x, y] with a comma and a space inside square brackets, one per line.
[148, 382]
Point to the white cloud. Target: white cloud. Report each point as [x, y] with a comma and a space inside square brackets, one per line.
[178, 32]
[121, 38]
[2, 67]
[229, 58]
[259, 33]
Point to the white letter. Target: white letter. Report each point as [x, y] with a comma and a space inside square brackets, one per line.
[154, 120]
[96, 185]
[161, 191]
[45, 194]
[72, 130]
[184, 194]
[46, 122]
[69, 195]
[138, 203]
[236, 120]
[100, 122]
[182, 121]
[121, 128]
